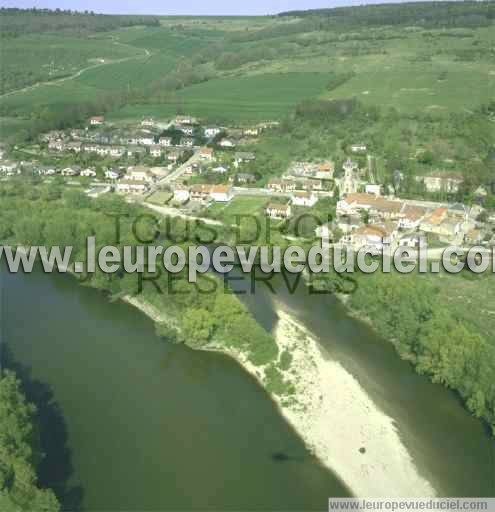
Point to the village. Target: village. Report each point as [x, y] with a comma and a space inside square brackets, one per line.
[189, 167]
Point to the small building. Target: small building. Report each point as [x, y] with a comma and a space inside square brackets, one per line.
[187, 142]
[325, 171]
[411, 216]
[88, 173]
[112, 174]
[200, 192]
[206, 153]
[278, 211]
[185, 129]
[75, 147]
[56, 145]
[243, 157]
[148, 122]
[227, 143]
[156, 151]
[374, 237]
[219, 169]
[243, 178]
[441, 181]
[181, 193]
[301, 198]
[131, 187]
[9, 168]
[96, 120]
[374, 189]
[165, 141]
[212, 131]
[71, 171]
[140, 173]
[359, 148]
[413, 240]
[282, 185]
[221, 193]
[185, 120]
[116, 151]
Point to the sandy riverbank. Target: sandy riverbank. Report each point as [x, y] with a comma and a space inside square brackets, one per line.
[334, 416]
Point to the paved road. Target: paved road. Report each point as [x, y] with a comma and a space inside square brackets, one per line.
[180, 170]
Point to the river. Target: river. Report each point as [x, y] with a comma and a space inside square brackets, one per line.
[132, 422]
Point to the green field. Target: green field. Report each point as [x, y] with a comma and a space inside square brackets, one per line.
[259, 97]
[240, 205]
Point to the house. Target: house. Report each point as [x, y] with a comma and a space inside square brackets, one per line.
[473, 236]
[304, 199]
[411, 216]
[75, 147]
[116, 151]
[227, 143]
[371, 188]
[140, 173]
[71, 171]
[376, 206]
[46, 171]
[431, 222]
[200, 192]
[358, 148]
[174, 155]
[253, 131]
[278, 211]
[441, 182]
[88, 173]
[212, 131]
[243, 157]
[413, 240]
[242, 178]
[156, 151]
[112, 174]
[186, 130]
[165, 141]
[56, 145]
[148, 122]
[185, 120]
[206, 153]
[181, 193]
[282, 185]
[374, 237]
[187, 142]
[221, 193]
[145, 139]
[131, 187]
[96, 120]
[309, 184]
[219, 170]
[135, 150]
[325, 171]
[9, 168]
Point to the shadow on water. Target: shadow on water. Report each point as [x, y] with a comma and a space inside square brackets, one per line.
[55, 469]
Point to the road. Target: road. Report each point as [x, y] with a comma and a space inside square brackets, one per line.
[58, 81]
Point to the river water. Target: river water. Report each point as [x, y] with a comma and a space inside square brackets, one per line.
[132, 422]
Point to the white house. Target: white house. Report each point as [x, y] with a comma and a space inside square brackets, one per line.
[148, 122]
[441, 182]
[219, 170]
[181, 194]
[88, 173]
[112, 174]
[96, 120]
[156, 151]
[278, 211]
[358, 148]
[9, 168]
[117, 151]
[372, 188]
[304, 199]
[140, 173]
[206, 154]
[165, 141]
[186, 130]
[221, 193]
[145, 140]
[56, 145]
[71, 171]
[226, 143]
[131, 187]
[212, 131]
[242, 157]
[187, 142]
